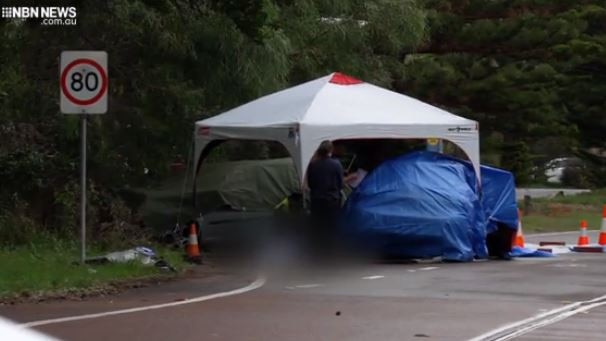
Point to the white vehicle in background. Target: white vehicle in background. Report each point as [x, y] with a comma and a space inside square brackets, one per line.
[554, 169]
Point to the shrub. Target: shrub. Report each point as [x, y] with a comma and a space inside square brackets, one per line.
[576, 177]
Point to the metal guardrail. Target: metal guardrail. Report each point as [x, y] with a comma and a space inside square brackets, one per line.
[547, 192]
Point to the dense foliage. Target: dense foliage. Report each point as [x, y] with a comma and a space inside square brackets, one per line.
[170, 62]
[531, 71]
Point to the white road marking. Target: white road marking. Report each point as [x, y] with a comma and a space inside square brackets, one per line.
[373, 277]
[569, 265]
[429, 268]
[259, 282]
[308, 286]
[543, 319]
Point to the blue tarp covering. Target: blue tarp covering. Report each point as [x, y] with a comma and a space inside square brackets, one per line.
[425, 204]
[517, 251]
[499, 198]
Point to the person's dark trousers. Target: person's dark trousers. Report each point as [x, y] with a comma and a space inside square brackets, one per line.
[324, 219]
[499, 242]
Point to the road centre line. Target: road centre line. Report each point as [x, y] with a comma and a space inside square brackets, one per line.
[555, 319]
[373, 277]
[525, 326]
[259, 282]
[308, 286]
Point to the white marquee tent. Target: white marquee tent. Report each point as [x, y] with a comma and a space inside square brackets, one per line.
[335, 107]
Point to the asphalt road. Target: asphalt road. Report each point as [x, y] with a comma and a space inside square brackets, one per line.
[349, 302]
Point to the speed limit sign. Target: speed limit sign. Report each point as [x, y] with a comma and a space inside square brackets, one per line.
[84, 82]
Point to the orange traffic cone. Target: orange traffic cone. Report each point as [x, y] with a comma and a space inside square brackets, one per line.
[602, 240]
[519, 239]
[193, 251]
[583, 237]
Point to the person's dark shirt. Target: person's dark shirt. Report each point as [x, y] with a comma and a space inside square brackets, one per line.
[325, 179]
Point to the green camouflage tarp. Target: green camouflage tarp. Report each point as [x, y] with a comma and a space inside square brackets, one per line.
[246, 185]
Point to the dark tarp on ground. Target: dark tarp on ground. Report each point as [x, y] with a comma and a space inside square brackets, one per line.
[249, 184]
[425, 204]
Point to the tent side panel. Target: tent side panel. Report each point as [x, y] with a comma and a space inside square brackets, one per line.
[289, 137]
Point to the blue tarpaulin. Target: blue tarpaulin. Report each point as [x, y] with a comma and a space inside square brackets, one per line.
[499, 198]
[517, 251]
[425, 204]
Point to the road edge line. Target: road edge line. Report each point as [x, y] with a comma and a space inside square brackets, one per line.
[259, 282]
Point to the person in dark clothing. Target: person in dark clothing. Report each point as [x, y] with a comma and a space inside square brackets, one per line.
[499, 242]
[325, 182]
[325, 176]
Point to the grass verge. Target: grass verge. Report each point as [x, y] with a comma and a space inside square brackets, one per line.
[47, 267]
[535, 223]
[564, 213]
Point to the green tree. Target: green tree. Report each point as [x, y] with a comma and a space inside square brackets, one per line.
[530, 71]
[171, 62]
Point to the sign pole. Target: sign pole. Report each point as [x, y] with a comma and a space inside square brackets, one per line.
[83, 121]
[84, 83]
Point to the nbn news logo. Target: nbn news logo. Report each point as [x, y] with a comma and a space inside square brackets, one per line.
[39, 12]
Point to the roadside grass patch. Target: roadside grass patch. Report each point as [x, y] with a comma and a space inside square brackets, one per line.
[535, 223]
[47, 266]
[564, 213]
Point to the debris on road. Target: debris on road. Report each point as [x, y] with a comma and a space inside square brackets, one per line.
[534, 250]
[552, 243]
[144, 255]
[553, 248]
[517, 251]
[589, 248]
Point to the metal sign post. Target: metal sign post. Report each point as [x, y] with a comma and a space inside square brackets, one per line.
[84, 85]
[83, 121]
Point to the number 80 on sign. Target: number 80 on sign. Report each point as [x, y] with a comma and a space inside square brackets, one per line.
[83, 82]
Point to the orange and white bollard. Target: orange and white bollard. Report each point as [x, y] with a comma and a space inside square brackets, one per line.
[583, 237]
[519, 238]
[602, 239]
[193, 251]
